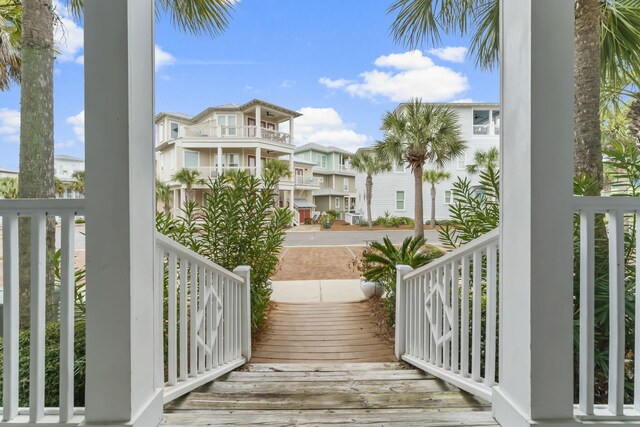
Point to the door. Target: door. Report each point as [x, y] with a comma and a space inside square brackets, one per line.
[251, 122]
[299, 176]
[251, 161]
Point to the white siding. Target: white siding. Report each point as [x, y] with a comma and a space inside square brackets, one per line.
[386, 185]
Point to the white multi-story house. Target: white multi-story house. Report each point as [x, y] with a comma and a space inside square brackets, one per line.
[393, 191]
[8, 173]
[336, 179]
[233, 137]
[64, 167]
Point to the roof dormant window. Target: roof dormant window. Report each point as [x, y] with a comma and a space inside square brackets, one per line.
[175, 130]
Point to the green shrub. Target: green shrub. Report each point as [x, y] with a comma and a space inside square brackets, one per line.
[333, 214]
[236, 225]
[51, 365]
[378, 264]
[392, 221]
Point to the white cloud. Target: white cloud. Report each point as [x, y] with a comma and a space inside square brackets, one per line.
[287, 84]
[163, 58]
[325, 126]
[412, 75]
[450, 53]
[77, 124]
[68, 36]
[80, 60]
[9, 125]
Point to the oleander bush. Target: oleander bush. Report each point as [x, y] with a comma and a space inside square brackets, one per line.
[389, 220]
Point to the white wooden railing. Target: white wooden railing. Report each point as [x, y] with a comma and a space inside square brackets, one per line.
[206, 318]
[207, 130]
[440, 311]
[38, 210]
[621, 214]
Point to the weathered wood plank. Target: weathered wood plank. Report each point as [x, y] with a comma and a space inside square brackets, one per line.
[323, 367]
[406, 374]
[423, 417]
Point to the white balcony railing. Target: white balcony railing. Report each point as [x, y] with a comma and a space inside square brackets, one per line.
[345, 168]
[231, 132]
[207, 318]
[307, 181]
[38, 211]
[439, 307]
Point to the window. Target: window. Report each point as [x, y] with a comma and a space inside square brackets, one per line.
[321, 179]
[233, 160]
[227, 125]
[175, 130]
[461, 162]
[448, 197]
[161, 161]
[481, 120]
[337, 203]
[191, 159]
[160, 132]
[345, 184]
[399, 167]
[495, 120]
[399, 200]
[321, 161]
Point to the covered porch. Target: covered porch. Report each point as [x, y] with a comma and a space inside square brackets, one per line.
[494, 318]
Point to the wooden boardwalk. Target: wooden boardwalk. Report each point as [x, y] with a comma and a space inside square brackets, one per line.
[322, 332]
[381, 394]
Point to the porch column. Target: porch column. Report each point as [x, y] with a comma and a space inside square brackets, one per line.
[258, 126]
[219, 160]
[291, 130]
[258, 161]
[291, 166]
[536, 317]
[121, 386]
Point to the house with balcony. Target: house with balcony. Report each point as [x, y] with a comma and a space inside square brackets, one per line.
[65, 166]
[336, 180]
[393, 191]
[230, 137]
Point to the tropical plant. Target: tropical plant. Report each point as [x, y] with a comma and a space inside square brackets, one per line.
[474, 211]
[8, 188]
[188, 178]
[378, 264]
[236, 225]
[418, 134]
[434, 177]
[607, 33]
[60, 188]
[389, 220]
[277, 169]
[483, 159]
[10, 40]
[163, 194]
[78, 181]
[369, 163]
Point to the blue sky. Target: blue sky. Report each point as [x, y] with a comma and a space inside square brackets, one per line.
[333, 60]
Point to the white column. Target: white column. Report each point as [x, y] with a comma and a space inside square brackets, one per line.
[219, 160]
[258, 126]
[291, 166]
[291, 131]
[258, 161]
[536, 317]
[121, 385]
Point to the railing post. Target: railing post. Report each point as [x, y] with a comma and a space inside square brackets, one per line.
[401, 271]
[244, 271]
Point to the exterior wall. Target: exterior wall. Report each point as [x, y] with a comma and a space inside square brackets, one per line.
[63, 170]
[386, 185]
[322, 203]
[8, 174]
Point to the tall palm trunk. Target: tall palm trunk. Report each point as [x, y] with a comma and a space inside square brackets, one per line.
[369, 189]
[36, 132]
[587, 133]
[634, 118]
[419, 204]
[433, 205]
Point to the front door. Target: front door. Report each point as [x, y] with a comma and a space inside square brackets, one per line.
[299, 176]
[251, 122]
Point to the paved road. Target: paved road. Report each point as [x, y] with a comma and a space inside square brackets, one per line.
[351, 238]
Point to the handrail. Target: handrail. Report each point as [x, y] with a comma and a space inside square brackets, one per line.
[602, 204]
[469, 248]
[26, 207]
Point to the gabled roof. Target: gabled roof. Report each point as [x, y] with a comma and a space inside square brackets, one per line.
[459, 104]
[322, 148]
[302, 203]
[328, 192]
[8, 171]
[228, 107]
[302, 161]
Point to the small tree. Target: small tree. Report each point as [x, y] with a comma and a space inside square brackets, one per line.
[368, 162]
[163, 194]
[433, 177]
[78, 181]
[188, 177]
[483, 160]
[60, 188]
[8, 188]
[276, 169]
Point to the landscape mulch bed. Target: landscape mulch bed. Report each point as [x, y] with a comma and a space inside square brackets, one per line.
[340, 225]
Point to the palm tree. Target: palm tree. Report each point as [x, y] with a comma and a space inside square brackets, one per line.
[8, 188]
[368, 162]
[276, 169]
[433, 177]
[188, 177]
[78, 181]
[483, 160]
[607, 33]
[418, 134]
[163, 194]
[60, 188]
[10, 39]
